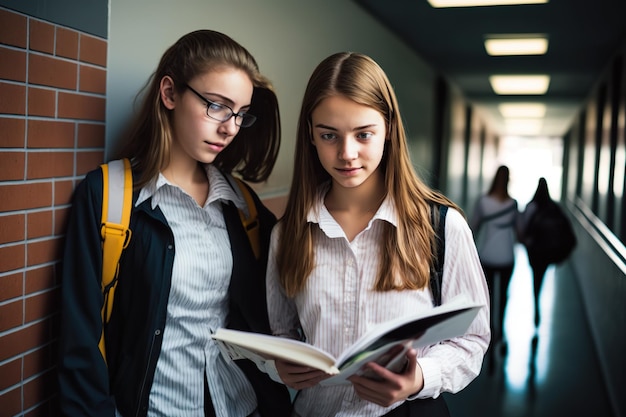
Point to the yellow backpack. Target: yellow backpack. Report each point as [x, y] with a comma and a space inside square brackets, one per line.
[117, 200]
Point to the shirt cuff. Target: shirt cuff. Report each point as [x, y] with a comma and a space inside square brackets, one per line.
[431, 372]
[271, 371]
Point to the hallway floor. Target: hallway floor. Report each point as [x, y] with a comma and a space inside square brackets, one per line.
[555, 374]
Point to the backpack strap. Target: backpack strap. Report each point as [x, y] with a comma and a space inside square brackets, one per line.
[117, 198]
[436, 272]
[250, 220]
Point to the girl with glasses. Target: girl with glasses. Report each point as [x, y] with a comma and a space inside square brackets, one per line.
[355, 247]
[189, 267]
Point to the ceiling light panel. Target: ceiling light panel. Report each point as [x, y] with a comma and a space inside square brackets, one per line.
[475, 3]
[522, 110]
[499, 46]
[520, 84]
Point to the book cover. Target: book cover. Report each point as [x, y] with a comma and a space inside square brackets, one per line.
[385, 344]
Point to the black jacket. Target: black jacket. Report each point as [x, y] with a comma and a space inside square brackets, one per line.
[133, 336]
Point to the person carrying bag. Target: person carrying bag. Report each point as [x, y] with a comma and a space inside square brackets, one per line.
[548, 236]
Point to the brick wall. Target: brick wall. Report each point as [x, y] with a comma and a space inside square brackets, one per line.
[52, 113]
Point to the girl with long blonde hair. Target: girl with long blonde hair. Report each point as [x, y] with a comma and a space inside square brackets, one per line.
[355, 248]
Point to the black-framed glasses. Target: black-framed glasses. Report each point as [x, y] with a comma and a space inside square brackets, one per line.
[222, 113]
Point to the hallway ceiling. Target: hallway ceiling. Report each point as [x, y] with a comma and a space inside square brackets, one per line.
[583, 36]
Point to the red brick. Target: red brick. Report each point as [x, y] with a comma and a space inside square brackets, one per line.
[93, 50]
[37, 361]
[41, 305]
[63, 191]
[11, 286]
[11, 315]
[12, 31]
[11, 373]
[24, 339]
[10, 401]
[13, 132]
[11, 166]
[12, 257]
[39, 224]
[90, 135]
[50, 165]
[25, 196]
[67, 43]
[12, 64]
[12, 98]
[92, 79]
[88, 161]
[50, 134]
[44, 251]
[39, 279]
[39, 388]
[41, 102]
[12, 228]
[52, 72]
[41, 36]
[60, 221]
[78, 106]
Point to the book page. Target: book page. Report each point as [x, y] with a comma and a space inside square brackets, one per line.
[274, 347]
[411, 326]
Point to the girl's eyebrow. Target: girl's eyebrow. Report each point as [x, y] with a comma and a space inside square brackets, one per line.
[224, 100]
[323, 126]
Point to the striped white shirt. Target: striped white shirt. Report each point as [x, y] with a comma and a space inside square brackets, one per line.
[338, 305]
[198, 304]
[495, 223]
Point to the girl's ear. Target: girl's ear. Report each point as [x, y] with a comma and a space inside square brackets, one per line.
[167, 92]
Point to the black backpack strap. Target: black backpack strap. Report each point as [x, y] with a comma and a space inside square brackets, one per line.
[436, 272]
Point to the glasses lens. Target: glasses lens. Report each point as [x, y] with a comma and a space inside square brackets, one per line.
[218, 112]
[246, 120]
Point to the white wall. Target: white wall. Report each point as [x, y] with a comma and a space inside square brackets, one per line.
[287, 37]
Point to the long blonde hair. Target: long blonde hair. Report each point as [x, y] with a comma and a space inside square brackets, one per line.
[407, 253]
[254, 150]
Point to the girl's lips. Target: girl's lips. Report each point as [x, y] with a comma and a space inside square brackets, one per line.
[348, 171]
[215, 146]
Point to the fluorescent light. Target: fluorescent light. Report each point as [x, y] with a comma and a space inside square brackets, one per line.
[522, 110]
[473, 3]
[523, 126]
[519, 84]
[498, 46]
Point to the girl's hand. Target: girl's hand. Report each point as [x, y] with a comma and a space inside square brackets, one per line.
[298, 376]
[388, 387]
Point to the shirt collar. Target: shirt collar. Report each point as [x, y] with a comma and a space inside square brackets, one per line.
[220, 189]
[319, 214]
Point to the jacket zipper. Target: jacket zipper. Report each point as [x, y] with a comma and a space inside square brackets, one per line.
[156, 334]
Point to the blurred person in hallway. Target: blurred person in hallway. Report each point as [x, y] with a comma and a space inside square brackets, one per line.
[495, 225]
[547, 234]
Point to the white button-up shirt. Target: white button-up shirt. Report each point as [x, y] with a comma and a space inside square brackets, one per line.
[198, 304]
[338, 305]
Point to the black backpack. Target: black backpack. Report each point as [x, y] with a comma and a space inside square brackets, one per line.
[438, 221]
[549, 236]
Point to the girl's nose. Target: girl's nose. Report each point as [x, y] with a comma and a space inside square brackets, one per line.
[229, 127]
[348, 150]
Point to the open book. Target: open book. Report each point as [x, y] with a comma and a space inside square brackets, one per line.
[385, 344]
